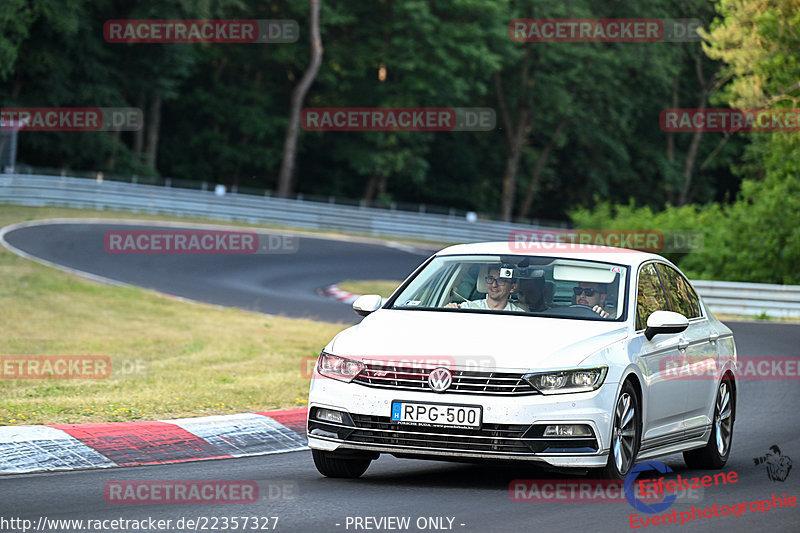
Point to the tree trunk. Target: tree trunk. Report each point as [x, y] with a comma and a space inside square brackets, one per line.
[669, 188]
[688, 166]
[111, 161]
[537, 171]
[298, 96]
[234, 182]
[376, 187]
[371, 188]
[691, 155]
[153, 126]
[17, 89]
[138, 135]
[383, 180]
[517, 137]
[670, 135]
[726, 136]
[512, 166]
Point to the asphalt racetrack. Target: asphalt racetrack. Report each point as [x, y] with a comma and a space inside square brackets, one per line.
[434, 496]
[274, 283]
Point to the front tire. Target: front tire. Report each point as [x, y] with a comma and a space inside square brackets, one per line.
[331, 465]
[715, 454]
[625, 435]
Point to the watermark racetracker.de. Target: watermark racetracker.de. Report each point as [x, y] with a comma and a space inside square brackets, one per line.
[723, 120]
[218, 31]
[633, 490]
[182, 241]
[55, 366]
[538, 30]
[72, 367]
[79, 119]
[766, 368]
[398, 119]
[624, 240]
[158, 492]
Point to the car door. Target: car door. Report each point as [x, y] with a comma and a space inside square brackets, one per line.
[666, 402]
[697, 346]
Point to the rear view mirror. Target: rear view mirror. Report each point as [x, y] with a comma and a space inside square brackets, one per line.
[665, 322]
[366, 304]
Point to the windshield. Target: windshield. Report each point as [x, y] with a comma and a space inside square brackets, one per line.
[519, 284]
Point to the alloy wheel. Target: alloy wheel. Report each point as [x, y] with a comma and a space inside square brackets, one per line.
[624, 439]
[723, 420]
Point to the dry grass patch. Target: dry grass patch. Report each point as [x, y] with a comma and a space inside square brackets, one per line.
[184, 359]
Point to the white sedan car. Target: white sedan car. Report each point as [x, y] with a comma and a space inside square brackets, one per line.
[569, 356]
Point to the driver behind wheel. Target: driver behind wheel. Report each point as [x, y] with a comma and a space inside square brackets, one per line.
[591, 295]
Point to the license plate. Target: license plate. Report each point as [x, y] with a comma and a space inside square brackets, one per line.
[435, 414]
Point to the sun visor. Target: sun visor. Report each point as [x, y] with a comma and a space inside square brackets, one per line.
[601, 274]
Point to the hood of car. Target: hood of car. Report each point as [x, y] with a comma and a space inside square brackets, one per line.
[477, 340]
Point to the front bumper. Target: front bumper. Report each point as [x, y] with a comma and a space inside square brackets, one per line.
[512, 427]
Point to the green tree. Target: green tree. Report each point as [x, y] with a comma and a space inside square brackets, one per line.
[582, 118]
[759, 40]
[431, 55]
[16, 17]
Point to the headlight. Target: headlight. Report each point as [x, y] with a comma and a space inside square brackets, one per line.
[335, 367]
[567, 381]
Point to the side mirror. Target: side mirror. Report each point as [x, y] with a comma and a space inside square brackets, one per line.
[665, 322]
[366, 304]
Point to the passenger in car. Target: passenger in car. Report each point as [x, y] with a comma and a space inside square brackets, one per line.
[592, 295]
[531, 294]
[497, 292]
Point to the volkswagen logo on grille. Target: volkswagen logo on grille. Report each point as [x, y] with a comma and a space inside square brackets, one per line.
[440, 379]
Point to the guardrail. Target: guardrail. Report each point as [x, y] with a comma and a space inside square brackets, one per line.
[35, 190]
[749, 299]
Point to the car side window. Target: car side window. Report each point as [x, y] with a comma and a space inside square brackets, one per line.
[693, 298]
[680, 296]
[649, 295]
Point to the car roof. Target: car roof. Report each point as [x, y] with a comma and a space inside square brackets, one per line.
[607, 254]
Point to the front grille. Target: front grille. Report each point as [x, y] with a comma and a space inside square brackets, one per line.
[398, 377]
[497, 438]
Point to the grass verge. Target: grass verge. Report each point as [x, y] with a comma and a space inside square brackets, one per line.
[183, 359]
[383, 287]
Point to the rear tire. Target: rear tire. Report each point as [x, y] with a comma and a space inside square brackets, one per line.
[715, 453]
[331, 465]
[625, 435]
